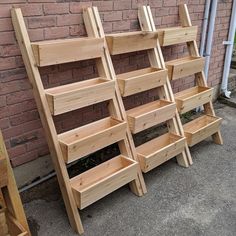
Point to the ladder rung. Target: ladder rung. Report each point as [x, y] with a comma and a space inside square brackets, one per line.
[103, 179]
[3, 171]
[201, 128]
[60, 51]
[182, 67]
[159, 150]
[176, 35]
[92, 137]
[191, 98]
[141, 80]
[73, 96]
[150, 114]
[131, 42]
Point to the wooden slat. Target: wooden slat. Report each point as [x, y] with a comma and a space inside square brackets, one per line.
[141, 80]
[150, 114]
[176, 35]
[73, 96]
[159, 150]
[191, 98]
[3, 171]
[201, 128]
[90, 138]
[131, 41]
[101, 180]
[67, 50]
[182, 67]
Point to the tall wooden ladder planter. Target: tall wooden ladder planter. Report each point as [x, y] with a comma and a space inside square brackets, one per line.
[13, 221]
[88, 187]
[208, 124]
[155, 152]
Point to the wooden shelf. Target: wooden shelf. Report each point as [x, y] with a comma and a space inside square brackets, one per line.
[73, 96]
[131, 42]
[159, 150]
[103, 179]
[60, 51]
[141, 80]
[201, 128]
[150, 114]
[3, 171]
[191, 98]
[185, 66]
[89, 138]
[176, 35]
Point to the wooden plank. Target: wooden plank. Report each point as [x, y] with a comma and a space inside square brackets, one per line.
[159, 150]
[191, 98]
[101, 180]
[87, 139]
[46, 118]
[131, 42]
[182, 67]
[141, 80]
[73, 96]
[60, 51]
[150, 114]
[176, 35]
[201, 128]
[3, 171]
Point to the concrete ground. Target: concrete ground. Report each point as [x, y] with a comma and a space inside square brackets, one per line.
[200, 200]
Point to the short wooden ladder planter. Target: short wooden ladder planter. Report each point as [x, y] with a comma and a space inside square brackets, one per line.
[153, 153]
[90, 186]
[208, 124]
[13, 221]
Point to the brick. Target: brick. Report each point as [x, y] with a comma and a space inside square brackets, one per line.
[112, 16]
[58, 78]
[77, 7]
[169, 3]
[57, 32]
[137, 3]
[24, 158]
[74, 19]
[4, 123]
[13, 1]
[18, 97]
[42, 21]
[9, 51]
[104, 5]
[122, 4]
[5, 11]
[5, 24]
[20, 107]
[76, 30]
[14, 86]
[36, 34]
[56, 8]
[7, 38]
[16, 151]
[130, 14]
[31, 9]
[121, 25]
[7, 63]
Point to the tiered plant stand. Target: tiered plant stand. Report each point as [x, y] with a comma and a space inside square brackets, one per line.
[155, 152]
[208, 124]
[12, 217]
[88, 187]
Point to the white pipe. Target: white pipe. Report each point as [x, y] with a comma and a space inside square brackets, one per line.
[229, 51]
[210, 36]
[204, 27]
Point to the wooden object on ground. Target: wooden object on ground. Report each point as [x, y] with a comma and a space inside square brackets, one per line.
[192, 97]
[74, 144]
[13, 221]
[147, 115]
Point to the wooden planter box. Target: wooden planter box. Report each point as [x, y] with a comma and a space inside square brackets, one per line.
[150, 114]
[73, 96]
[141, 80]
[14, 227]
[3, 222]
[176, 35]
[89, 138]
[131, 42]
[201, 128]
[103, 179]
[159, 150]
[189, 99]
[3, 171]
[183, 67]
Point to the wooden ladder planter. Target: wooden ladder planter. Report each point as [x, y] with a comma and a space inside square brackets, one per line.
[13, 221]
[185, 66]
[90, 186]
[207, 125]
[159, 150]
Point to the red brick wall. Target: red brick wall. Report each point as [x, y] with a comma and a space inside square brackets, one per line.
[51, 19]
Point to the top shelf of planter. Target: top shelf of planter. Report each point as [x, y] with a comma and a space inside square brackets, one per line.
[176, 35]
[131, 42]
[52, 52]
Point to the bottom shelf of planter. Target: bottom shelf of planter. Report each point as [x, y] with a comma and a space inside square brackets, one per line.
[157, 151]
[199, 129]
[103, 179]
